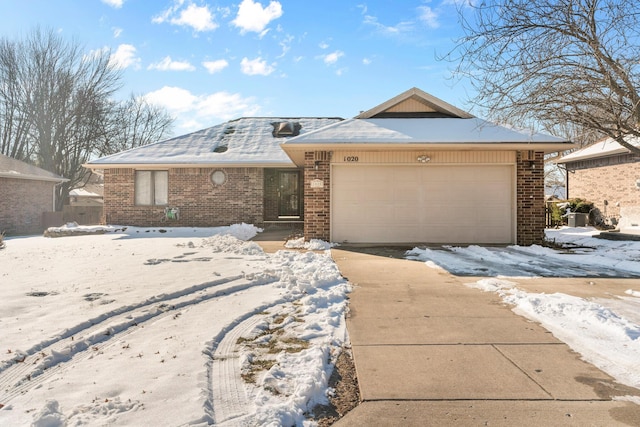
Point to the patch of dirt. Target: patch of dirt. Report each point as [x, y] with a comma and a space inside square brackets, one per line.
[397, 252]
[346, 395]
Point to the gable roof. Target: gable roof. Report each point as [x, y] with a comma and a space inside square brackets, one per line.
[603, 148]
[16, 169]
[417, 102]
[415, 120]
[248, 141]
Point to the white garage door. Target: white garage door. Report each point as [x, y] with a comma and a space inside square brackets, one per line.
[425, 203]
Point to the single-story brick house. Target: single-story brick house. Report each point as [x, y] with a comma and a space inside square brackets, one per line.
[608, 175]
[26, 192]
[413, 169]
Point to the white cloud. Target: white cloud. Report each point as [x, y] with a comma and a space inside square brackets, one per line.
[114, 3]
[323, 45]
[167, 64]
[468, 3]
[428, 16]
[174, 99]
[258, 66]
[366, 61]
[215, 66]
[199, 18]
[398, 29]
[285, 44]
[125, 56]
[253, 17]
[117, 32]
[332, 58]
[193, 112]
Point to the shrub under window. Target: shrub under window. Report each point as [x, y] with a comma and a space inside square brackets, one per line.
[152, 188]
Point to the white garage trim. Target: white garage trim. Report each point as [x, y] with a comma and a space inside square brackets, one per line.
[429, 203]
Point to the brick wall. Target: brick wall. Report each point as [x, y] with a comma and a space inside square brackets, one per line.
[201, 203]
[270, 194]
[317, 201]
[530, 215]
[610, 179]
[530, 209]
[22, 203]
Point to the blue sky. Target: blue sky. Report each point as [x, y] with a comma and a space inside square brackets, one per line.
[211, 61]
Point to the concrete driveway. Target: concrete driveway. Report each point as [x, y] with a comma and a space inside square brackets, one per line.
[429, 350]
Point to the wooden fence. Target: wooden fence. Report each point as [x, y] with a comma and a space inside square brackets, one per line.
[83, 215]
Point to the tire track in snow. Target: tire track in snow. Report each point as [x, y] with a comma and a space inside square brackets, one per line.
[35, 366]
[226, 399]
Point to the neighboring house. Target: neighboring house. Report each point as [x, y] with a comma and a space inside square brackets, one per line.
[26, 193]
[90, 194]
[608, 175]
[413, 169]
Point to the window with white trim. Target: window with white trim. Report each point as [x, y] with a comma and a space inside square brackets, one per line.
[152, 188]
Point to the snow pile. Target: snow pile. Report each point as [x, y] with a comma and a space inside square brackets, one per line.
[166, 326]
[311, 245]
[583, 256]
[298, 378]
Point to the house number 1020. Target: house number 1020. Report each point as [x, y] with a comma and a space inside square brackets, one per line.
[351, 158]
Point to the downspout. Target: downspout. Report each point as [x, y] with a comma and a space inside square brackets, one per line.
[566, 179]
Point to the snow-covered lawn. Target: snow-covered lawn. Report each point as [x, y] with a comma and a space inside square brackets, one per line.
[605, 330]
[199, 326]
[165, 327]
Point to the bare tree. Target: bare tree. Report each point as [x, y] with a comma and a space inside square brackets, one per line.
[567, 65]
[14, 123]
[134, 123]
[57, 111]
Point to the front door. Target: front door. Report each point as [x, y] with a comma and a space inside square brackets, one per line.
[289, 194]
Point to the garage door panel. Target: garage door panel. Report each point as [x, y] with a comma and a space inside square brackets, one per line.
[425, 203]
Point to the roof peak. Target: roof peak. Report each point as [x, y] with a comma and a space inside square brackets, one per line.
[414, 103]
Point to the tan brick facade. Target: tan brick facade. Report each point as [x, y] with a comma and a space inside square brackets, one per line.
[201, 204]
[530, 208]
[22, 203]
[613, 179]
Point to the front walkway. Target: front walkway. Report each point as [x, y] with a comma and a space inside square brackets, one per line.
[429, 350]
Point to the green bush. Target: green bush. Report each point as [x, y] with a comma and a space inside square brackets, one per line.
[580, 205]
[556, 213]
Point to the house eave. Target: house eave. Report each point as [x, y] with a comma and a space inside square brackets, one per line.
[163, 166]
[575, 159]
[296, 152]
[32, 177]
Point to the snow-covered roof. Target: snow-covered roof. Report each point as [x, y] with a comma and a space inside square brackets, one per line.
[81, 192]
[244, 141]
[420, 131]
[604, 148]
[423, 133]
[12, 168]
